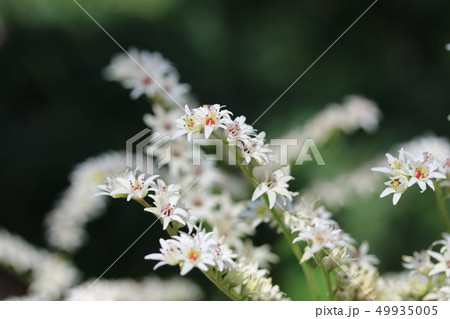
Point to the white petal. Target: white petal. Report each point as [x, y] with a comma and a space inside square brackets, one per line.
[387, 191]
[272, 198]
[396, 198]
[208, 131]
[187, 267]
[258, 192]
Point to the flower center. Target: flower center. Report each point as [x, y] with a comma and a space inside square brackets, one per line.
[193, 255]
[167, 211]
[271, 181]
[147, 81]
[189, 122]
[136, 186]
[421, 172]
[210, 121]
[218, 251]
[397, 165]
[234, 130]
[396, 183]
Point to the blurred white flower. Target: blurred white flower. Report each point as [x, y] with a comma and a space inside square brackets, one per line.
[419, 262]
[163, 120]
[152, 76]
[442, 257]
[321, 234]
[66, 222]
[147, 289]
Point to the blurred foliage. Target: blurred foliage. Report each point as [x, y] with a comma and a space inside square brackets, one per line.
[56, 110]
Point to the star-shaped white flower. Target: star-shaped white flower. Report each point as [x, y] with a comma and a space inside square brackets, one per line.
[195, 251]
[397, 186]
[254, 148]
[165, 208]
[127, 185]
[322, 234]
[274, 183]
[169, 254]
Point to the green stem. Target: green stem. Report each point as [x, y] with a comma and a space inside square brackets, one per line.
[309, 272]
[326, 274]
[431, 285]
[227, 292]
[442, 210]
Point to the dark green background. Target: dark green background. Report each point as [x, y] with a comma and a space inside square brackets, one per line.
[56, 110]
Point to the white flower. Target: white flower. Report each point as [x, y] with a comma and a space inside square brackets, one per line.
[274, 183]
[66, 222]
[356, 112]
[152, 76]
[423, 170]
[171, 85]
[419, 262]
[201, 202]
[443, 264]
[397, 186]
[322, 234]
[223, 256]
[443, 257]
[407, 170]
[254, 148]
[189, 124]
[204, 119]
[162, 121]
[238, 130]
[169, 254]
[262, 255]
[195, 251]
[257, 213]
[165, 208]
[396, 165]
[362, 256]
[148, 289]
[212, 117]
[161, 189]
[127, 185]
[227, 220]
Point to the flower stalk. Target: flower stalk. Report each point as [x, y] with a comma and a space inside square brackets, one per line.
[440, 198]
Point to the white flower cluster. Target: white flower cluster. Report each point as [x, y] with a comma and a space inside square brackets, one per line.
[147, 74]
[356, 112]
[361, 182]
[197, 251]
[427, 276]
[65, 223]
[206, 119]
[211, 118]
[147, 289]
[50, 274]
[166, 198]
[253, 281]
[357, 282]
[409, 169]
[314, 226]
